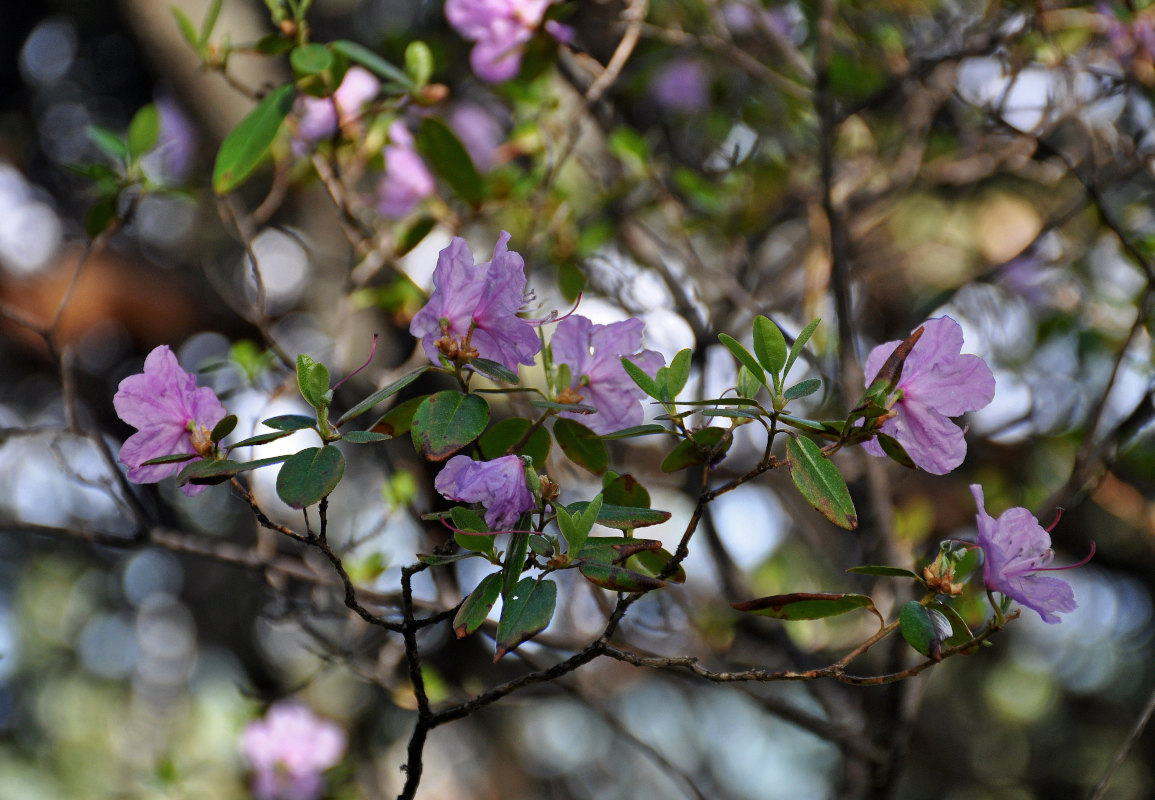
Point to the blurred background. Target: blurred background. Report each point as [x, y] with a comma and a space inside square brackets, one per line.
[870, 163]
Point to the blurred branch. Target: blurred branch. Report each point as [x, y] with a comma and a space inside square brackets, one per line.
[1125, 749]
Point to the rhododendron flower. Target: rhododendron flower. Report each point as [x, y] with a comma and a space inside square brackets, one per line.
[500, 30]
[473, 309]
[171, 416]
[499, 485]
[593, 354]
[320, 116]
[682, 86]
[936, 383]
[407, 181]
[289, 749]
[1015, 546]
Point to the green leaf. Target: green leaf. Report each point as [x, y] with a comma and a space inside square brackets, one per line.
[399, 419]
[359, 54]
[526, 613]
[365, 437]
[581, 445]
[310, 59]
[100, 215]
[653, 562]
[109, 142]
[802, 389]
[290, 422]
[731, 413]
[635, 430]
[704, 445]
[414, 234]
[796, 348]
[419, 62]
[677, 374]
[439, 560]
[492, 369]
[309, 475]
[247, 145]
[748, 385]
[382, 394]
[618, 579]
[966, 566]
[175, 458]
[625, 490]
[644, 381]
[261, 438]
[893, 448]
[514, 563]
[615, 549]
[210, 21]
[576, 408]
[820, 482]
[209, 472]
[577, 527]
[806, 605]
[544, 546]
[744, 358]
[476, 608]
[223, 428]
[470, 521]
[498, 440]
[445, 153]
[886, 572]
[187, 29]
[623, 517]
[446, 422]
[143, 131]
[924, 629]
[960, 631]
[769, 346]
[313, 380]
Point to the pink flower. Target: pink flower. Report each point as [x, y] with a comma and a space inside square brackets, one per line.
[1014, 547]
[407, 181]
[171, 416]
[320, 116]
[936, 383]
[682, 87]
[480, 133]
[500, 30]
[289, 749]
[499, 485]
[473, 309]
[594, 356]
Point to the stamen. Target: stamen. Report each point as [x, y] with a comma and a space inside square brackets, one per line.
[553, 316]
[1058, 516]
[1070, 566]
[372, 352]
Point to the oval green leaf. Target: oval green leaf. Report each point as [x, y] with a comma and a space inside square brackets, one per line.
[310, 59]
[143, 131]
[290, 422]
[309, 475]
[446, 422]
[924, 629]
[820, 482]
[744, 358]
[526, 613]
[581, 445]
[476, 608]
[706, 444]
[769, 345]
[247, 145]
[618, 579]
[622, 517]
[806, 605]
[223, 428]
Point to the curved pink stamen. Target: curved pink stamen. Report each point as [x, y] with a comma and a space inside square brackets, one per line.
[1058, 516]
[553, 317]
[372, 352]
[1070, 566]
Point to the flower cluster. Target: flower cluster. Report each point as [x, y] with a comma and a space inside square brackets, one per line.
[937, 382]
[593, 354]
[473, 309]
[171, 414]
[500, 30]
[289, 750]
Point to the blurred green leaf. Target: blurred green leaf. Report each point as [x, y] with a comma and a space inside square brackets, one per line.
[359, 54]
[143, 131]
[310, 59]
[247, 145]
[447, 156]
[797, 347]
[806, 605]
[704, 445]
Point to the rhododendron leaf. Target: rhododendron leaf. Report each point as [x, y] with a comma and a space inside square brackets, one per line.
[526, 612]
[623, 517]
[498, 440]
[446, 422]
[223, 428]
[820, 482]
[796, 348]
[514, 563]
[247, 145]
[143, 131]
[615, 549]
[618, 579]
[635, 430]
[445, 153]
[362, 55]
[399, 419]
[310, 59]
[893, 448]
[100, 215]
[476, 608]
[175, 458]
[290, 422]
[438, 560]
[313, 381]
[576, 527]
[187, 29]
[491, 369]
[730, 413]
[806, 605]
[802, 389]
[624, 490]
[468, 520]
[924, 629]
[706, 444]
[543, 545]
[220, 470]
[260, 438]
[748, 386]
[581, 445]
[960, 631]
[677, 374]
[109, 141]
[415, 234]
[769, 345]
[576, 408]
[365, 437]
[653, 562]
[644, 381]
[885, 572]
[309, 475]
[965, 567]
[382, 394]
[744, 358]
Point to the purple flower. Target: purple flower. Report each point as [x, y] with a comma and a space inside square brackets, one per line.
[594, 356]
[171, 416]
[407, 181]
[1014, 547]
[473, 309]
[480, 133]
[499, 29]
[288, 750]
[320, 116]
[681, 86]
[936, 383]
[499, 485]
